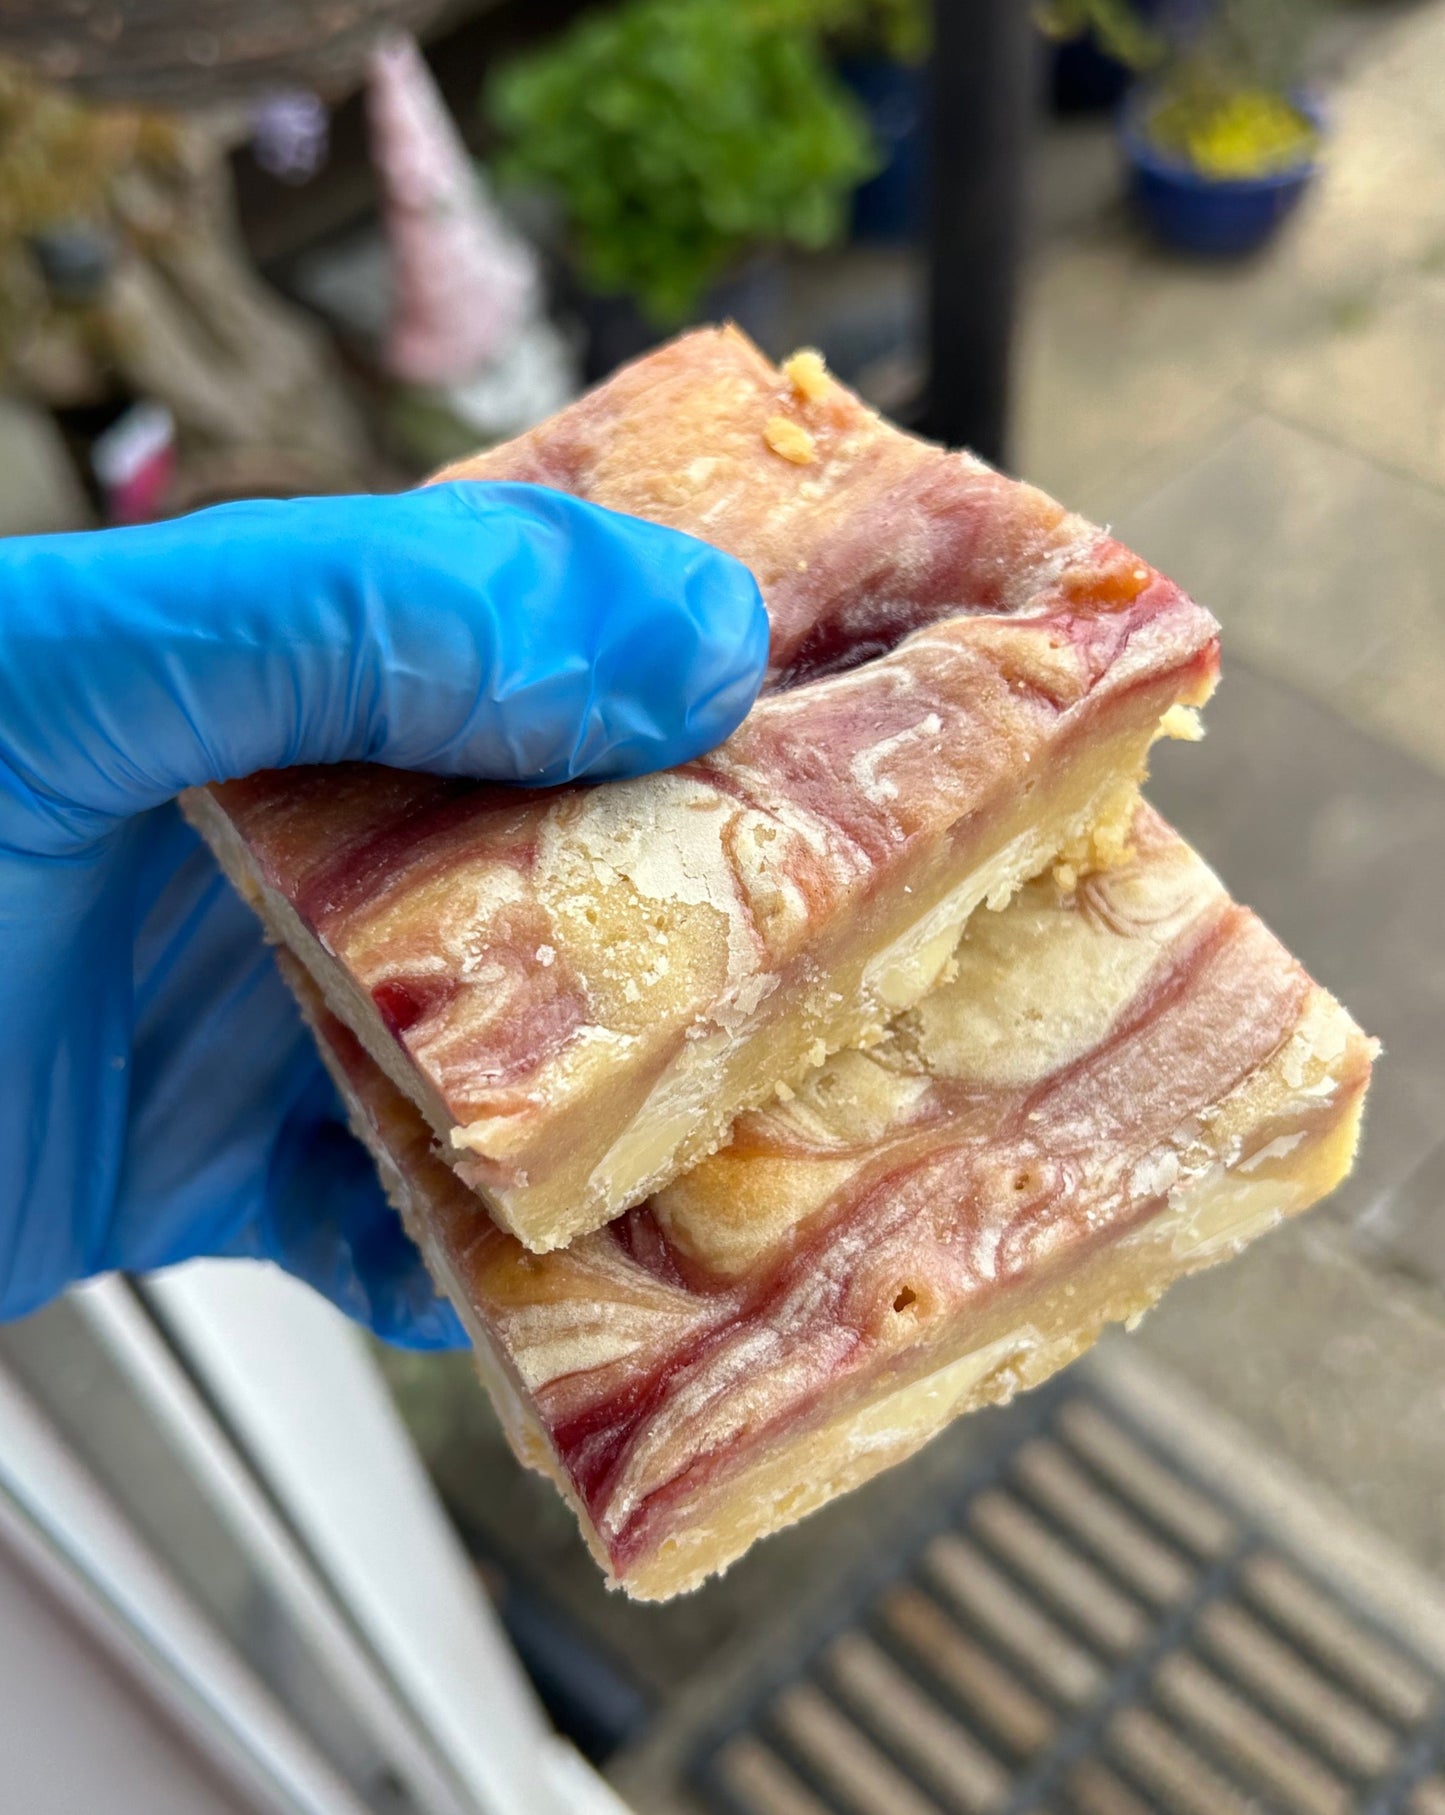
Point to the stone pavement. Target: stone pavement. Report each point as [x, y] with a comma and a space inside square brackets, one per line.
[1273, 436]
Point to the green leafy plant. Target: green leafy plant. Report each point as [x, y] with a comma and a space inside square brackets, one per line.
[676, 134]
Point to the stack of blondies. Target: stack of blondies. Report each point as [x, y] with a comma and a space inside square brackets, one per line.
[764, 1115]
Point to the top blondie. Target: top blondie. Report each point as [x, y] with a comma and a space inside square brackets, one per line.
[581, 988]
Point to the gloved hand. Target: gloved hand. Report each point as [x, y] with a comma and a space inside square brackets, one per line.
[159, 1098]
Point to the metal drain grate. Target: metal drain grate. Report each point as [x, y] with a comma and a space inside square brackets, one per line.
[1092, 1633]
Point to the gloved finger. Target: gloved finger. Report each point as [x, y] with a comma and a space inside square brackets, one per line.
[219, 1057]
[233, 1120]
[327, 1221]
[500, 631]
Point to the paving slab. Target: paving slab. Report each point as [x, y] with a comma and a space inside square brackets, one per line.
[1322, 567]
[1338, 840]
[1409, 1221]
[1122, 358]
[1404, 58]
[1376, 209]
[1336, 1366]
[1372, 378]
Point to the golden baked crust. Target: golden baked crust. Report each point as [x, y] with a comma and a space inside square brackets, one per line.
[1120, 1084]
[581, 989]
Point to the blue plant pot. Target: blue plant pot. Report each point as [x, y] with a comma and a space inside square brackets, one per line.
[1207, 216]
[889, 207]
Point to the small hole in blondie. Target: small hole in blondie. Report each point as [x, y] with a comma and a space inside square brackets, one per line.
[906, 1297]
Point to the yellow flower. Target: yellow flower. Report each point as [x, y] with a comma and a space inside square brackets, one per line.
[1250, 134]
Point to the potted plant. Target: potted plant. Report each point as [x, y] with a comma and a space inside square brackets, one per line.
[1226, 139]
[1221, 137]
[677, 139]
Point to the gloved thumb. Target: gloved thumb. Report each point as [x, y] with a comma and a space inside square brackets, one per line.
[499, 631]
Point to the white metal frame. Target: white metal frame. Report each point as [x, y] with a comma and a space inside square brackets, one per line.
[61, 1526]
[250, 1512]
[303, 1407]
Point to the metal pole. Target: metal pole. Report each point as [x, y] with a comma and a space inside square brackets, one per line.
[984, 75]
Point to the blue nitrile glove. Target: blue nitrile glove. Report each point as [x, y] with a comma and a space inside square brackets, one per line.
[158, 1096]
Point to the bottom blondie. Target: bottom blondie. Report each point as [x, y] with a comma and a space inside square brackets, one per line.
[1121, 1081]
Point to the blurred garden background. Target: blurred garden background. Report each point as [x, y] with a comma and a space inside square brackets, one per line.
[1181, 263]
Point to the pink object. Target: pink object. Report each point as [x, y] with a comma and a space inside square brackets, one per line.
[135, 461]
[463, 281]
